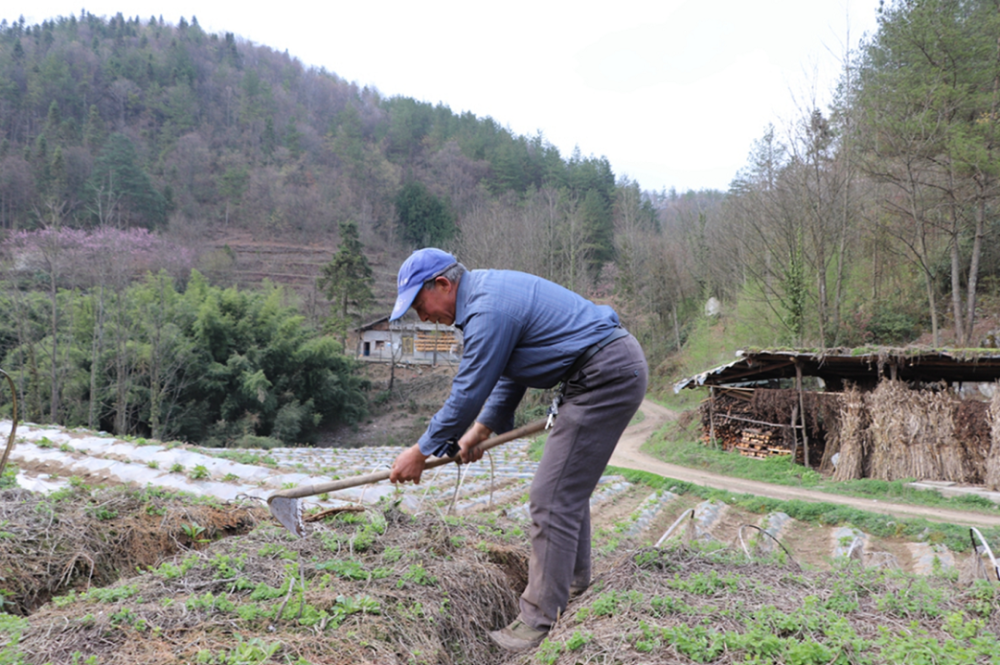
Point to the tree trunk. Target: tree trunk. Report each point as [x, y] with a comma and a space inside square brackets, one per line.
[977, 249]
[956, 262]
[923, 256]
[711, 416]
[932, 303]
[155, 389]
[677, 330]
[96, 348]
[54, 331]
[122, 369]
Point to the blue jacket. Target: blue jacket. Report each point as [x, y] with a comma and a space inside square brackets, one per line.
[520, 331]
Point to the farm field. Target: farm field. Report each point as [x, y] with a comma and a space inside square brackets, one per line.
[92, 564]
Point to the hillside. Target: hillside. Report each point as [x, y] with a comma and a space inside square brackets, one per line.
[161, 186]
[135, 152]
[247, 167]
[136, 122]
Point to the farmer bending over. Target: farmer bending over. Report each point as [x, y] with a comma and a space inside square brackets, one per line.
[522, 331]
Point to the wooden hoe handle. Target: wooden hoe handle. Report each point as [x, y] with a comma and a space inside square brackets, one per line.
[355, 481]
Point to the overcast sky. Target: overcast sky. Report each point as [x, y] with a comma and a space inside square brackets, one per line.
[672, 92]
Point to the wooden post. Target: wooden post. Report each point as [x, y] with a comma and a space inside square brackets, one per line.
[711, 416]
[802, 413]
[435, 336]
[795, 434]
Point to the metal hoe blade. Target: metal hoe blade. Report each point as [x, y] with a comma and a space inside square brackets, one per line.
[289, 513]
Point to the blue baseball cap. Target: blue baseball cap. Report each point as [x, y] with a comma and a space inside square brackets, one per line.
[423, 264]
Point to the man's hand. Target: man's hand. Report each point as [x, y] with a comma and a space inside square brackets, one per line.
[477, 433]
[408, 465]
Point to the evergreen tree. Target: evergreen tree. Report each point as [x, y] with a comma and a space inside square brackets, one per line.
[93, 131]
[928, 100]
[424, 219]
[121, 191]
[54, 119]
[346, 279]
[232, 185]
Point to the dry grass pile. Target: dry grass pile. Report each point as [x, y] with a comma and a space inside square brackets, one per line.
[972, 434]
[82, 537]
[992, 479]
[891, 433]
[375, 587]
[925, 434]
[688, 606]
[903, 432]
[851, 440]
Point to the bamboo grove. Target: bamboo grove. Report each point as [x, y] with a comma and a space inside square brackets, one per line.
[112, 330]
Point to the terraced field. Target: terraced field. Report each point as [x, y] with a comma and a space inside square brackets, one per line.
[48, 457]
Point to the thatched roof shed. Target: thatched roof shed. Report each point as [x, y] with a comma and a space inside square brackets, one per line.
[881, 413]
[863, 367]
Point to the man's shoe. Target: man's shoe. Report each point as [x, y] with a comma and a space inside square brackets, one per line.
[518, 636]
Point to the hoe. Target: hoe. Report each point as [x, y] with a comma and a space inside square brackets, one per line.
[285, 504]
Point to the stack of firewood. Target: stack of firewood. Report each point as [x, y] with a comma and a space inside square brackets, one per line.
[758, 443]
[726, 438]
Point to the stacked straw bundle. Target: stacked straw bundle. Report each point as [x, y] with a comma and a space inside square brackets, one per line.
[914, 434]
[891, 428]
[972, 431]
[942, 433]
[993, 460]
[851, 436]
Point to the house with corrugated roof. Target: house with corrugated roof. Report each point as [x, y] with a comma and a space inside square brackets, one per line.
[407, 342]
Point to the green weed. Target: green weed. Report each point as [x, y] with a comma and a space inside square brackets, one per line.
[548, 652]
[351, 569]
[199, 472]
[227, 566]
[577, 640]
[171, 571]
[194, 532]
[209, 604]
[416, 574]
[254, 651]
[917, 599]
[392, 554]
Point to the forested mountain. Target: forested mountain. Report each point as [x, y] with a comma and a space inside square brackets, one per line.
[864, 223]
[107, 126]
[130, 122]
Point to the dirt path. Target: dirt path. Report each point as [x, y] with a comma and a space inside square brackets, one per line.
[628, 455]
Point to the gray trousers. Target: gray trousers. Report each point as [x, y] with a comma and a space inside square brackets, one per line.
[600, 400]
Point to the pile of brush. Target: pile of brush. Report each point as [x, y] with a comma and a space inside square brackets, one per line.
[896, 432]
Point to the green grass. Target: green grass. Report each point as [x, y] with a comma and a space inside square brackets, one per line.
[682, 401]
[537, 447]
[665, 610]
[680, 445]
